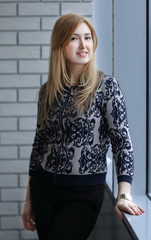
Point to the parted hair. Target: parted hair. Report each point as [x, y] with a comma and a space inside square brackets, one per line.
[58, 76]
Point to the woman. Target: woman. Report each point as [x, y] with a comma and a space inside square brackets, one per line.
[80, 111]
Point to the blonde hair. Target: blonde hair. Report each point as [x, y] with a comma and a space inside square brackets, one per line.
[58, 76]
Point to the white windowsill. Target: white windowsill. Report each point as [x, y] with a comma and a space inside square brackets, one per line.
[141, 225]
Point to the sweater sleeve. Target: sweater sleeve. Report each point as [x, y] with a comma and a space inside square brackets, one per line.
[37, 150]
[37, 147]
[118, 130]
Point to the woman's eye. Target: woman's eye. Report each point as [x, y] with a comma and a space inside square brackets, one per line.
[73, 38]
[88, 38]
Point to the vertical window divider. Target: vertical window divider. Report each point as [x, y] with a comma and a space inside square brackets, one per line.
[147, 100]
[113, 164]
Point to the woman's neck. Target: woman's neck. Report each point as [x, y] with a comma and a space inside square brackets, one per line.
[74, 73]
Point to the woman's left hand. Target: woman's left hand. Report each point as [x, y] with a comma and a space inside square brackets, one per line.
[127, 206]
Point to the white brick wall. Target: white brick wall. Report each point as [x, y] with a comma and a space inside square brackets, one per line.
[5, 11]
[33, 66]
[8, 67]
[25, 31]
[19, 23]
[34, 38]
[7, 181]
[13, 166]
[18, 109]
[19, 52]
[19, 81]
[8, 95]
[36, 9]
[9, 208]
[80, 8]
[28, 123]
[8, 124]
[11, 235]
[8, 38]
[5, 154]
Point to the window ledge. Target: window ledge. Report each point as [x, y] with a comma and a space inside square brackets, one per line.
[140, 226]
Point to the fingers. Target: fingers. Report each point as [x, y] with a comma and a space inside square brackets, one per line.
[30, 225]
[136, 210]
[129, 207]
[142, 210]
[33, 219]
[132, 210]
[119, 213]
[126, 208]
[29, 221]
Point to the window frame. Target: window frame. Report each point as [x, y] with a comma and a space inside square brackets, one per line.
[148, 99]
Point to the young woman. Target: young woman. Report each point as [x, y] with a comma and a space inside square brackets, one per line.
[80, 112]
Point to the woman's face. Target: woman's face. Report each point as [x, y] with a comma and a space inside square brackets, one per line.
[79, 51]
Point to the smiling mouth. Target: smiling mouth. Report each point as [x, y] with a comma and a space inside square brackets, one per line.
[82, 54]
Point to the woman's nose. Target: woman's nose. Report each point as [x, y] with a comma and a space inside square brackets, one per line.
[82, 44]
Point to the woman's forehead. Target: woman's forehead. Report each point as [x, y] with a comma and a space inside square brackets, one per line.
[82, 28]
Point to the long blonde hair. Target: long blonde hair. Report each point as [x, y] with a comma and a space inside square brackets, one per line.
[58, 76]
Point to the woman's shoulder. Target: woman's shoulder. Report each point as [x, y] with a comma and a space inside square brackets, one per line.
[106, 78]
[108, 88]
[107, 82]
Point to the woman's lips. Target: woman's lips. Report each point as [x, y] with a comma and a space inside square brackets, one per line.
[82, 54]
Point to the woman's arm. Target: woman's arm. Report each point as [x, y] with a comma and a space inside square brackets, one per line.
[28, 216]
[27, 198]
[122, 148]
[118, 130]
[124, 204]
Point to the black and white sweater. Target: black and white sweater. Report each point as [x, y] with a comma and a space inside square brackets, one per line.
[73, 148]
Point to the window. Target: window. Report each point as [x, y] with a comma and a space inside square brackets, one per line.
[122, 52]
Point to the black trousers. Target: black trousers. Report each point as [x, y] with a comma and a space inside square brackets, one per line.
[64, 212]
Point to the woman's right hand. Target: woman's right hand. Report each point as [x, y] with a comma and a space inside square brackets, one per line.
[28, 217]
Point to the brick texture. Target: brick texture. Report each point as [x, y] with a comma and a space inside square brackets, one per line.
[8, 38]
[36, 9]
[22, 23]
[11, 235]
[19, 52]
[80, 8]
[8, 67]
[25, 31]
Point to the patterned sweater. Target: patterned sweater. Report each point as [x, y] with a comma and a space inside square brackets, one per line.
[72, 149]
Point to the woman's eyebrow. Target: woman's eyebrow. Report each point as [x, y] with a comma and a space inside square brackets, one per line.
[80, 34]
